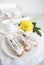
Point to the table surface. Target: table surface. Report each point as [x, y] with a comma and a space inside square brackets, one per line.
[35, 59]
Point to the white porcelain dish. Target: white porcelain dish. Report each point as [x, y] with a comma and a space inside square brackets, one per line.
[8, 51]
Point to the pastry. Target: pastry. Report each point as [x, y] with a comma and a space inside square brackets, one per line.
[26, 46]
[14, 45]
[27, 38]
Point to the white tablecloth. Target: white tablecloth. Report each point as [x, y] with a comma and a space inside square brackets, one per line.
[35, 59]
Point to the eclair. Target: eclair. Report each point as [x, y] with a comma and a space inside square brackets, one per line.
[24, 44]
[14, 45]
[27, 38]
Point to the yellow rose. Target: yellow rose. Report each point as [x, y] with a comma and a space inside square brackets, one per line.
[26, 25]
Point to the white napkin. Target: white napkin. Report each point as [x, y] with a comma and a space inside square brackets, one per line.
[10, 10]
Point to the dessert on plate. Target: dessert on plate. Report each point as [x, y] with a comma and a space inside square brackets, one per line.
[14, 45]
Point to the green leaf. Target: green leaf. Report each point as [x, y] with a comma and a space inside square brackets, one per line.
[34, 23]
[38, 32]
[36, 29]
[19, 24]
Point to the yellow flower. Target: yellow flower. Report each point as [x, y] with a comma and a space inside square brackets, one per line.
[26, 25]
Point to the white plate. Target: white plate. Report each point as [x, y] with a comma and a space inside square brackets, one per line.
[11, 53]
[8, 51]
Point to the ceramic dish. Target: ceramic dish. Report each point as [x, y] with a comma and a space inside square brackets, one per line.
[9, 51]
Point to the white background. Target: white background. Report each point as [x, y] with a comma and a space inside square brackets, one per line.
[30, 6]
